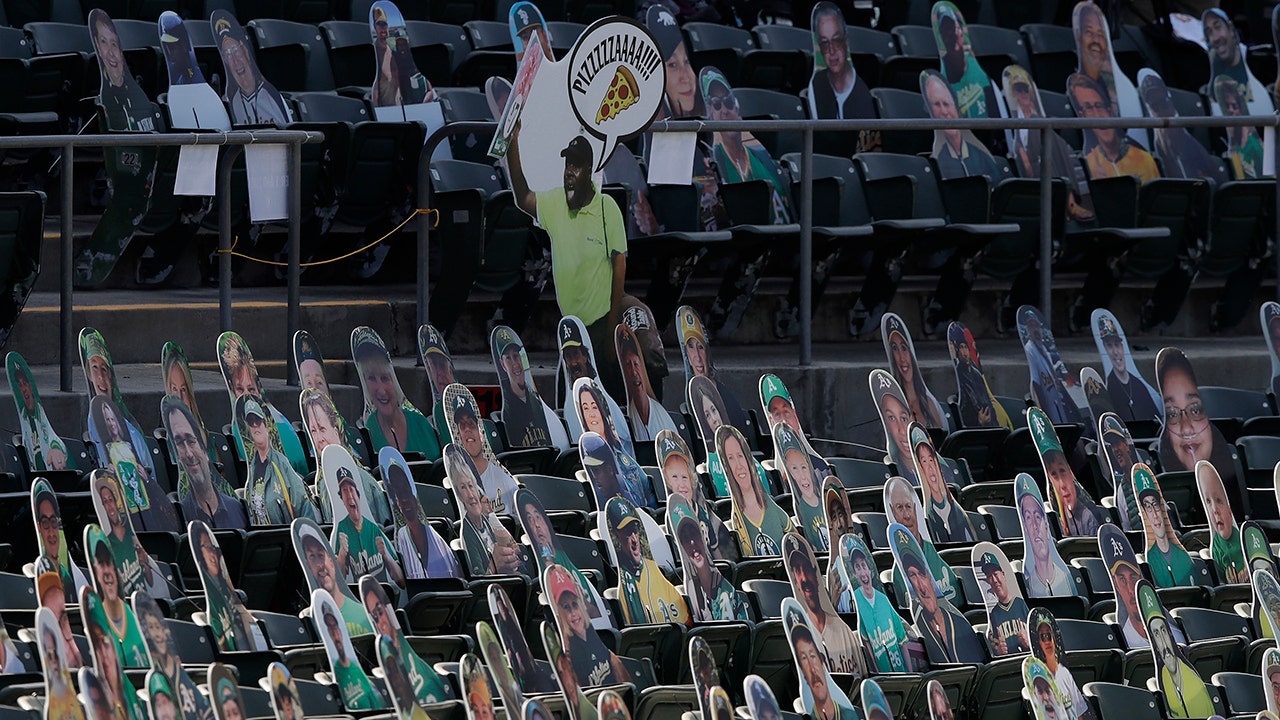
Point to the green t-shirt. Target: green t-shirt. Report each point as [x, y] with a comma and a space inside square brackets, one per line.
[971, 90]
[1173, 569]
[883, 626]
[422, 437]
[356, 618]
[129, 644]
[357, 691]
[363, 557]
[583, 243]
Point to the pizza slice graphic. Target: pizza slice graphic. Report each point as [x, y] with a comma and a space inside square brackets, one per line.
[623, 93]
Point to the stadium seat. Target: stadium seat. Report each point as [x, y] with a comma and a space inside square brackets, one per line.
[1242, 693]
[854, 473]
[423, 34]
[588, 11]
[1110, 701]
[480, 65]
[766, 596]
[1053, 54]
[783, 37]
[269, 34]
[997, 47]
[787, 71]
[349, 50]
[564, 35]
[488, 35]
[760, 103]
[899, 104]
[53, 38]
[720, 46]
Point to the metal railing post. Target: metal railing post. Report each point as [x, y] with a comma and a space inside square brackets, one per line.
[806, 250]
[225, 166]
[293, 317]
[424, 234]
[1275, 240]
[66, 327]
[1046, 232]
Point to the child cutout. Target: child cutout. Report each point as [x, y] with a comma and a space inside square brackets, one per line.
[844, 647]
[461, 415]
[681, 479]
[1169, 562]
[228, 703]
[165, 660]
[285, 702]
[904, 509]
[146, 500]
[792, 461]
[1006, 610]
[475, 688]
[900, 351]
[1225, 547]
[362, 547]
[878, 619]
[326, 428]
[357, 691]
[646, 596]
[780, 408]
[939, 705]
[1078, 514]
[758, 520]
[425, 685]
[97, 704]
[593, 663]
[1045, 572]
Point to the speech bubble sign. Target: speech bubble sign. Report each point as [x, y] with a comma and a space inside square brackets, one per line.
[616, 81]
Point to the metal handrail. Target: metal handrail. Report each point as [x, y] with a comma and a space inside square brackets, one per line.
[809, 127]
[237, 139]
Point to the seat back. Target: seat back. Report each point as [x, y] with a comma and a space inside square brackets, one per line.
[1053, 54]
[897, 104]
[916, 41]
[423, 34]
[272, 33]
[875, 167]
[52, 38]
[327, 107]
[488, 35]
[714, 36]
[999, 44]
[783, 37]
[1239, 222]
[564, 35]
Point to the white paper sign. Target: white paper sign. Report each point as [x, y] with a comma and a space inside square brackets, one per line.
[197, 171]
[671, 158]
[268, 170]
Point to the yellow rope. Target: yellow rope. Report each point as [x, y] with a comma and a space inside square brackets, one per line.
[313, 263]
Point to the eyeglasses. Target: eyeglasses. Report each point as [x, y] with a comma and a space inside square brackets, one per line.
[1150, 504]
[726, 102]
[49, 522]
[185, 441]
[1193, 412]
[1095, 109]
[827, 45]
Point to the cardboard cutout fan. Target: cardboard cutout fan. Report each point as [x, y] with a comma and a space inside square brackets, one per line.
[475, 688]
[254, 101]
[947, 635]
[106, 659]
[878, 620]
[286, 704]
[326, 428]
[1022, 98]
[740, 157]
[645, 413]
[1108, 152]
[132, 170]
[761, 702]
[1097, 63]
[1048, 702]
[98, 705]
[681, 99]
[578, 360]
[362, 547]
[844, 646]
[525, 21]
[534, 678]
[100, 376]
[1095, 393]
[202, 492]
[41, 444]
[1244, 148]
[903, 507]
[579, 707]
[1045, 572]
[1227, 59]
[1188, 434]
[401, 93]
[192, 104]
[709, 414]
[234, 627]
[51, 538]
[1133, 397]
[895, 417]
[1170, 564]
[964, 74]
[60, 698]
[593, 663]
[645, 594]
[758, 520]
[1257, 553]
[978, 406]
[166, 661]
[423, 553]
[695, 348]
[1119, 453]
[835, 503]
[527, 419]
[310, 363]
[324, 424]
[12, 661]
[436, 358]
[706, 676]
[388, 415]
[1225, 547]
[681, 478]
[1270, 670]
[546, 548]
[958, 153]
[1181, 155]
[1006, 609]
[805, 483]
[590, 407]
[1266, 591]
[500, 668]
[1047, 647]
[146, 500]
[820, 696]
[1122, 565]
[274, 491]
[358, 693]
[425, 684]
[163, 701]
[900, 352]
[779, 407]
[939, 705]
[228, 702]
[1078, 514]
[109, 604]
[176, 374]
[462, 421]
[947, 520]
[488, 546]
[711, 596]
[611, 706]
[836, 91]
[1185, 694]
[137, 571]
[1269, 318]
[240, 372]
[874, 704]
[51, 596]
[320, 567]
[406, 704]
[1052, 385]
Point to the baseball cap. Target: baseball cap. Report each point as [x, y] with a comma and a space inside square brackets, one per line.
[578, 151]
[462, 408]
[504, 337]
[525, 15]
[379, 16]
[621, 514]
[570, 331]
[989, 563]
[345, 478]
[252, 407]
[558, 582]
[710, 76]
